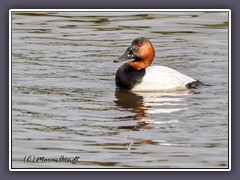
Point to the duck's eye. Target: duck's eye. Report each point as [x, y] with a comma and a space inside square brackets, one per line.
[139, 44]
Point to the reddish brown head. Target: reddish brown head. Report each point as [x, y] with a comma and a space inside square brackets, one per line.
[142, 51]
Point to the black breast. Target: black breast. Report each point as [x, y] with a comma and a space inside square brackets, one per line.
[127, 77]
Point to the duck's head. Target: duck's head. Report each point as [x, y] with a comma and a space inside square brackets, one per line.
[141, 51]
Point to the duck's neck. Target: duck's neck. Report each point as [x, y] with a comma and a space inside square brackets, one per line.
[138, 65]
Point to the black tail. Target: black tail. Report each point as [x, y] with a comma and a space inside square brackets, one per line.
[195, 84]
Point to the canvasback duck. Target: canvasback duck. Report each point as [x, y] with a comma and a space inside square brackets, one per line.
[138, 75]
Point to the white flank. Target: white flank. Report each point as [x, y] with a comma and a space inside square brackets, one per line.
[162, 78]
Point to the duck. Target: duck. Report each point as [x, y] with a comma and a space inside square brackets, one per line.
[139, 75]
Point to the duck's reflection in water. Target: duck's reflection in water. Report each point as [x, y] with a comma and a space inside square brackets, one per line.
[133, 103]
[143, 104]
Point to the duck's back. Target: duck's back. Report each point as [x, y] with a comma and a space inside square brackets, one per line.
[162, 78]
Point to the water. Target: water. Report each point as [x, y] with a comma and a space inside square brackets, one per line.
[64, 101]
